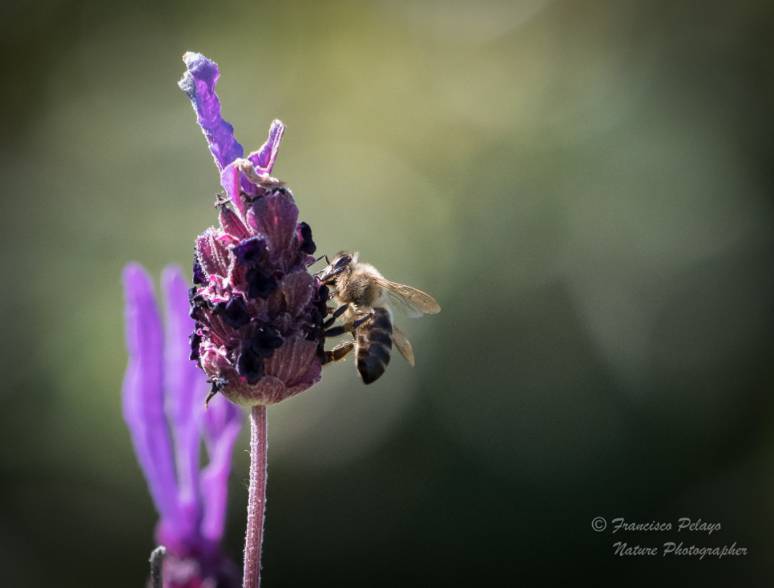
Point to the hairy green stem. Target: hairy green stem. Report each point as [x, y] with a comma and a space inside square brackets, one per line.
[256, 498]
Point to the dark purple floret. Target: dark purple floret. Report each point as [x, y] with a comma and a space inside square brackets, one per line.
[198, 304]
[266, 340]
[250, 366]
[198, 273]
[194, 341]
[260, 283]
[305, 236]
[234, 312]
[251, 250]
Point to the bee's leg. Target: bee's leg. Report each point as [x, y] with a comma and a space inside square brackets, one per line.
[339, 352]
[340, 330]
[336, 314]
[336, 331]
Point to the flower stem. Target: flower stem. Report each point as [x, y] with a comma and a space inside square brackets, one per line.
[256, 498]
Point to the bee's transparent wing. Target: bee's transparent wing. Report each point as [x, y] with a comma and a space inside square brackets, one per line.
[400, 304]
[414, 301]
[403, 345]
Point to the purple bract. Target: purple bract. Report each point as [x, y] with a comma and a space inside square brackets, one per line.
[163, 398]
[258, 310]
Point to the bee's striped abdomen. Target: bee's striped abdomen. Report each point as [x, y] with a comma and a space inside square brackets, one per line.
[374, 342]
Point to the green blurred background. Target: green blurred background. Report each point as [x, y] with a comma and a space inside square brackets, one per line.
[586, 187]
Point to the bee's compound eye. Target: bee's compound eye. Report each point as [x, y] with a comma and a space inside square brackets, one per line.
[342, 261]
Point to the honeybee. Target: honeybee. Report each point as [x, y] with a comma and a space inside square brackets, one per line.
[363, 297]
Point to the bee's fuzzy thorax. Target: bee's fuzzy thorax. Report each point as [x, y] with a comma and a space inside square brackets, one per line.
[357, 286]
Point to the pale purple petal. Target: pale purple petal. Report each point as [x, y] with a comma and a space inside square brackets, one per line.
[199, 85]
[298, 289]
[232, 224]
[186, 390]
[211, 253]
[264, 158]
[222, 422]
[275, 216]
[143, 393]
[291, 362]
[231, 180]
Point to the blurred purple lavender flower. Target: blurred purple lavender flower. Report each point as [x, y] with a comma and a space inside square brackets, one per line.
[163, 398]
[258, 310]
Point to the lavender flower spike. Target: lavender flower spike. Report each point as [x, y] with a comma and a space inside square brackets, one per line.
[258, 310]
[164, 393]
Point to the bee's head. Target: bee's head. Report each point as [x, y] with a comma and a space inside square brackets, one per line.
[341, 264]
